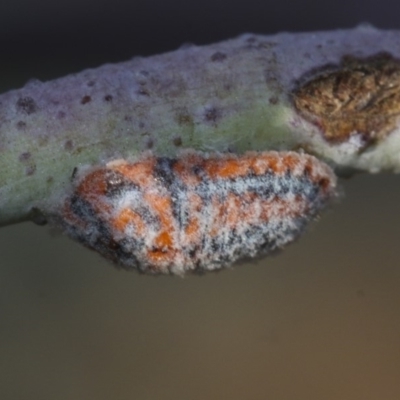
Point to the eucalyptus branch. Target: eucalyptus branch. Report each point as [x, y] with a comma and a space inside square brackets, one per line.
[335, 95]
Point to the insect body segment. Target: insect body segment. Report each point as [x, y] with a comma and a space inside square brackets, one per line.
[196, 212]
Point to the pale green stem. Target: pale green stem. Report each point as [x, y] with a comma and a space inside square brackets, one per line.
[230, 96]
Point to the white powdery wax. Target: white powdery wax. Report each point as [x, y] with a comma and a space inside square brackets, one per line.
[198, 211]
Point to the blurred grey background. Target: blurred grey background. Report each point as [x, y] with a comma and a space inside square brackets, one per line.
[319, 321]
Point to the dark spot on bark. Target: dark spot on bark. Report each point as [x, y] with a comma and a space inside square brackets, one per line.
[61, 115]
[274, 100]
[360, 96]
[30, 170]
[141, 124]
[149, 143]
[143, 92]
[91, 83]
[49, 180]
[23, 157]
[26, 105]
[184, 119]
[218, 56]
[69, 145]
[108, 97]
[128, 118]
[212, 115]
[227, 87]
[21, 125]
[86, 99]
[177, 141]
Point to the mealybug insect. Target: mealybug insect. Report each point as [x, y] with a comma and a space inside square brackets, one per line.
[198, 211]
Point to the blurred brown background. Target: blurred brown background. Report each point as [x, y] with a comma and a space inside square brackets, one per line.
[320, 321]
